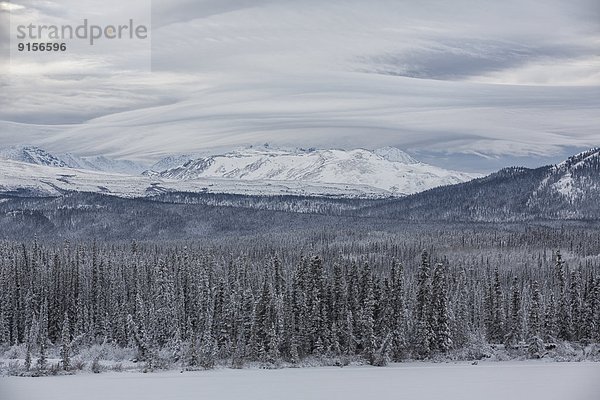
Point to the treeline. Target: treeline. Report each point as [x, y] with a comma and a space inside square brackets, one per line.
[196, 307]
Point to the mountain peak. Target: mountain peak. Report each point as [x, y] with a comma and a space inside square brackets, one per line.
[395, 155]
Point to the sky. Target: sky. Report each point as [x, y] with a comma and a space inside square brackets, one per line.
[465, 84]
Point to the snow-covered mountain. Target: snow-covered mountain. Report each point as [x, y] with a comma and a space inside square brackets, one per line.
[31, 155]
[104, 164]
[569, 190]
[26, 179]
[263, 171]
[388, 169]
[35, 155]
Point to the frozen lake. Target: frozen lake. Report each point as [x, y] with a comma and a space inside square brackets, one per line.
[489, 381]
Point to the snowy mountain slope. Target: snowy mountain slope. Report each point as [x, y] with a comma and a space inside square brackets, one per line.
[572, 186]
[569, 190]
[36, 180]
[35, 155]
[173, 161]
[31, 155]
[353, 173]
[388, 169]
[395, 155]
[101, 163]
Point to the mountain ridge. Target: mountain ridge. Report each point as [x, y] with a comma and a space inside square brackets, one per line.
[37, 156]
[388, 168]
[568, 190]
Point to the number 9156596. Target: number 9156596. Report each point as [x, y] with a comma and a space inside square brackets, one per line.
[42, 47]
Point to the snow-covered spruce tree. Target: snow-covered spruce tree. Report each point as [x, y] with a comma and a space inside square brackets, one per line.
[513, 336]
[398, 322]
[222, 319]
[28, 348]
[273, 355]
[315, 303]
[352, 322]
[423, 333]
[563, 317]
[591, 311]
[535, 311]
[208, 350]
[42, 361]
[441, 329]
[367, 334]
[301, 308]
[246, 322]
[163, 315]
[534, 339]
[139, 339]
[550, 323]
[278, 279]
[595, 324]
[488, 313]
[575, 307]
[65, 349]
[192, 356]
[4, 331]
[339, 309]
[263, 322]
[535, 347]
[498, 331]
[461, 324]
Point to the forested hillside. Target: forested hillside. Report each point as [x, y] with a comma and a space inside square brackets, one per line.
[569, 190]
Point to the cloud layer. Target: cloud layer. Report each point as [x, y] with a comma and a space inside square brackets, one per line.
[487, 77]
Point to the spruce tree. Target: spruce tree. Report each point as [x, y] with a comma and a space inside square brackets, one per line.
[441, 328]
[398, 328]
[366, 316]
[563, 317]
[424, 334]
[42, 361]
[535, 310]
[575, 307]
[498, 313]
[550, 323]
[513, 335]
[28, 348]
[65, 350]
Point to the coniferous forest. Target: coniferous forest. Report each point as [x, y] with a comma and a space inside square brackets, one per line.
[320, 297]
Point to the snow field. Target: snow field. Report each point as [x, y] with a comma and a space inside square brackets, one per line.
[531, 380]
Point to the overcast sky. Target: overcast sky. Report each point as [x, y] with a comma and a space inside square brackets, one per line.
[485, 82]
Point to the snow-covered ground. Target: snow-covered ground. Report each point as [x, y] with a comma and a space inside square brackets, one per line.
[529, 380]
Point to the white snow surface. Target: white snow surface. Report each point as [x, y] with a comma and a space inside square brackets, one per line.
[388, 168]
[44, 181]
[515, 380]
[566, 186]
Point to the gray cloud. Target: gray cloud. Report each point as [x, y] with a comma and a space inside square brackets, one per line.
[485, 77]
[464, 58]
